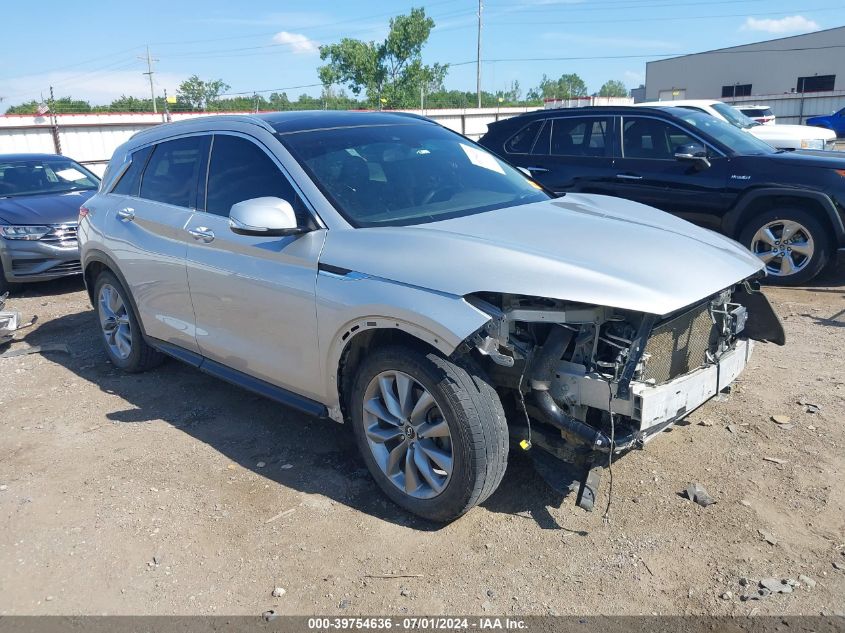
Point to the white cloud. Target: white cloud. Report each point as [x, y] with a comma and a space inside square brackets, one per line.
[789, 24]
[299, 44]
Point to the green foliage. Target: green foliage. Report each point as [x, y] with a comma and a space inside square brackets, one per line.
[200, 95]
[567, 87]
[64, 104]
[127, 104]
[24, 108]
[613, 88]
[390, 73]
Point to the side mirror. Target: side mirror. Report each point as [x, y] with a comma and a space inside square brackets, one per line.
[264, 217]
[693, 153]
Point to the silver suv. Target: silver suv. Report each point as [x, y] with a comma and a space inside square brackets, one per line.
[379, 270]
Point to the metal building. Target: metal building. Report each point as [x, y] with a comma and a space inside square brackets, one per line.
[801, 64]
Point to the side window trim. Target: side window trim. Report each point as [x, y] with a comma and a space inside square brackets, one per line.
[282, 170]
[547, 123]
[709, 146]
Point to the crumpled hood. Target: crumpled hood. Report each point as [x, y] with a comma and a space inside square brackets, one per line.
[794, 132]
[592, 249]
[54, 208]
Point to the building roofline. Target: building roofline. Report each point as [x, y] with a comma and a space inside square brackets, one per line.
[726, 48]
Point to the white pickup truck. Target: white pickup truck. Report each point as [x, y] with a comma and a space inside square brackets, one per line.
[778, 136]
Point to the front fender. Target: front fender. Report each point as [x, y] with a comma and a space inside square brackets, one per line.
[733, 220]
[348, 304]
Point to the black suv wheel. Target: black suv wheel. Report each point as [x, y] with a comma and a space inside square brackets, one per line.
[791, 243]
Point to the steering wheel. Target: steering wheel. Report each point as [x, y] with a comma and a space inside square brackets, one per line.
[431, 195]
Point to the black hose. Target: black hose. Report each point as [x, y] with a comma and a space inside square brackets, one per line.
[542, 372]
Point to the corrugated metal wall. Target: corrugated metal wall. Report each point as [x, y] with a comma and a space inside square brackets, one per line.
[797, 108]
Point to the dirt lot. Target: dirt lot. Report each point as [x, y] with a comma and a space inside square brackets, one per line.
[174, 493]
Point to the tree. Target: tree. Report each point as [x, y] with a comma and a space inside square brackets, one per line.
[130, 104]
[198, 94]
[567, 87]
[390, 72]
[613, 88]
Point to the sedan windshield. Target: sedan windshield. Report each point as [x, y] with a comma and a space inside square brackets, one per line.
[34, 176]
[395, 175]
[735, 139]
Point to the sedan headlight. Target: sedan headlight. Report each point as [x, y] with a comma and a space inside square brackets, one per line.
[25, 232]
[812, 143]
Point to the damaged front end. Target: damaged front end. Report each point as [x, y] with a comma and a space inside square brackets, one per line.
[596, 380]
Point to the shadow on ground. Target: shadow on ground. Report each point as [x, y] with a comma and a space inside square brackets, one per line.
[249, 429]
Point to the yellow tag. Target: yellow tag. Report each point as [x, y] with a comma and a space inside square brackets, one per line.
[525, 445]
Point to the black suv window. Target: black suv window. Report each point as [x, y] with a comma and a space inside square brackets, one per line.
[171, 173]
[580, 136]
[240, 170]
[650, 138]
[523, 141]
[130, 181]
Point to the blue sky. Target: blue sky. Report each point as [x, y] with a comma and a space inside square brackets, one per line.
[91, 52]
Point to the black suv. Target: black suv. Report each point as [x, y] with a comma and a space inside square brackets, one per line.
[787, 207]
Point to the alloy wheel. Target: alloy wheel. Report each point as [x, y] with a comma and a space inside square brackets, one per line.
[785, 247]
[408, 435]
[114, 321]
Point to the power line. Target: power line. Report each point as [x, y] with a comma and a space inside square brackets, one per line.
[669, 18]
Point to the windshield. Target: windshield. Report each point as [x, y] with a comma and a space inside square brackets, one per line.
[733, 116]
[736, 140]
[395, 175]
[756, 112]
[33, 176]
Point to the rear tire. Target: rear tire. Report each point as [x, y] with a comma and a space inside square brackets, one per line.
[120, 331]
[796, 259]
[407, 405]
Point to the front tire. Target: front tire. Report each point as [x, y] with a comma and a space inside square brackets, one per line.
[792, 244]
[432, 433]
[120, 331]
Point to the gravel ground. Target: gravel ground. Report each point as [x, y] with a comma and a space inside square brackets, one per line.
[174, 493]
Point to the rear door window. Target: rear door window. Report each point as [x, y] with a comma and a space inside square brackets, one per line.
[240, 170]
[581, 136]
[130, 181]
[523, 141]
[172, 171]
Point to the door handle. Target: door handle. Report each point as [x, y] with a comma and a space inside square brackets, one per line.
[127, 214]
[202, 234]
[628, 177]
[540, 170]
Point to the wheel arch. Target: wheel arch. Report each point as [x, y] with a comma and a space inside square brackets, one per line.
[758, 201]
[414, 317]
[96, 262]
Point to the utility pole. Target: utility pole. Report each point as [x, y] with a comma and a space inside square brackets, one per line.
[57, 141]
[478, 58]
[150, 74]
